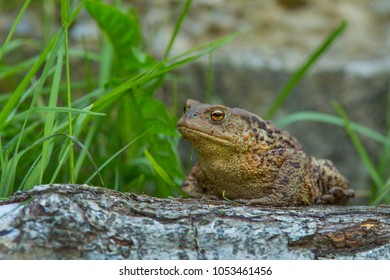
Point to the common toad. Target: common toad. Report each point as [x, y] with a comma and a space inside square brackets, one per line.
[247, 159]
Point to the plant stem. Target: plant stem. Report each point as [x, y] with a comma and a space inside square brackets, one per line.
[65, 23]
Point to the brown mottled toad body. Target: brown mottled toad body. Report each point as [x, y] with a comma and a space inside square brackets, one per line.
[246, 158]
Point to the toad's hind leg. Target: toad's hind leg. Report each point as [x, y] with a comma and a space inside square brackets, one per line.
[334, 187]
[293, 184]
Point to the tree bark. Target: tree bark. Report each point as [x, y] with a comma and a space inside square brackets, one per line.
[83, 222]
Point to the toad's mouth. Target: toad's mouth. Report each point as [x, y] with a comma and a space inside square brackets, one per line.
[188, 132]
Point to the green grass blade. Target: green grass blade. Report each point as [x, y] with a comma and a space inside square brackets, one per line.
[65, 26]
[384, 161]
[116, 178]
[62, 157]
[157, 70]
[330, 119]
[11, 103]
[34, 176]
[114, 156]
[384, 193]
[85, 150]
[161, 172]
[203, 49]
[3, 166]
[359, 147]
[30, 174]
[87, 67]
[47, 146]
[9, 71]
[47, 109]
[175, 102]
[175, 63]
[13, 28]
[20, 43]
[87, 143]
[105, 65]
[189, 56]
[114, 94]
[209, 79]
[300, 73]
[9, 174]
[74, 11]
[92, 56]
[29, 130]
[183, 14]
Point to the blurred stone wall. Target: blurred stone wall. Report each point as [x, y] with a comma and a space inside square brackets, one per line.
[275, 39]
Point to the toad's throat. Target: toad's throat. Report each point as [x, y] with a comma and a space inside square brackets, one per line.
[215, 138]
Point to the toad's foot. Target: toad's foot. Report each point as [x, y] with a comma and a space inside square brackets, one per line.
[336, 195]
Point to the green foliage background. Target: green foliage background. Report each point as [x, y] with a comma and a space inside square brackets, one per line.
[97, 129]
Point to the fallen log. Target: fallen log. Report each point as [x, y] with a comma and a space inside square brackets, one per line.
[83, 222]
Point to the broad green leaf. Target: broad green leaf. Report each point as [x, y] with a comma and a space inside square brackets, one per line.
[154, 113]
[124, 33]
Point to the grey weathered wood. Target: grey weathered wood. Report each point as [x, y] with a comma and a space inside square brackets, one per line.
[83, 222]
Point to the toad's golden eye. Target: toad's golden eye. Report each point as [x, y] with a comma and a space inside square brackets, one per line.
[217, 115]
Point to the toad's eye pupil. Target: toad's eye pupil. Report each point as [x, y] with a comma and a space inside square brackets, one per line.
[217, 115]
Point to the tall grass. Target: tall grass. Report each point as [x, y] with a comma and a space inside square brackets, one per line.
[107, 129]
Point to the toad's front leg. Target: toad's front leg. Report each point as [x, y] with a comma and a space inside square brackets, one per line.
[192, 186]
